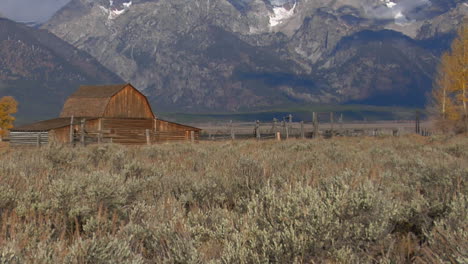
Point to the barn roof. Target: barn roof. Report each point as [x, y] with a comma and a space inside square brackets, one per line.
[92, 100]
[98, 91]
[182, 125]
[85, 106]
[46, 125]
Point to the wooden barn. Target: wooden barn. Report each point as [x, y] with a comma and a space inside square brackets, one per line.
[99, 114]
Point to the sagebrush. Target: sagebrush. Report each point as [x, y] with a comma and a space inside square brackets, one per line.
[355, 200]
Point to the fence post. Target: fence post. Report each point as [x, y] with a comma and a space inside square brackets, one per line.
[38, 140]
[72, 137]
[148, 139]
[99, 136]
[316, 124]
[278, 136]
[283, 124]
[418, 128]
[273, 129]
[192, 136]
[257, 129]
[233, 136]
[287, 132]
[332, 123]
[341, 122]
[302, 130]
[82, 139]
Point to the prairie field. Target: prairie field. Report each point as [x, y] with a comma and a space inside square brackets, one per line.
[343, 200]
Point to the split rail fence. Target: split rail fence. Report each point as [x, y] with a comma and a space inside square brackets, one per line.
[323, 125]
[131, 137]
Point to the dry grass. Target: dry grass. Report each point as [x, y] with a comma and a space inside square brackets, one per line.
[346, 200]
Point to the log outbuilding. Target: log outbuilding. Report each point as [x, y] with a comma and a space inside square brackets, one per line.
[110, 113]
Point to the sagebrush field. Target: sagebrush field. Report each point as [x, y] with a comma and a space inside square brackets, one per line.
[345, 200]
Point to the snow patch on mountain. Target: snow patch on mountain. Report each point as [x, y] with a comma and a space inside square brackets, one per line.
[389, 3]
[113, 11]
[399, 11]
[280, 14]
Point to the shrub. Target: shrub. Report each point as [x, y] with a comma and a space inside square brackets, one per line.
[345, 200]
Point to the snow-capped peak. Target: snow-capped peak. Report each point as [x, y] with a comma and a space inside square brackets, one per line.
[113, 11]
[280, 14]
[390, 4]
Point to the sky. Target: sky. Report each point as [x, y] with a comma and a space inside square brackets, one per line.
[30, 10]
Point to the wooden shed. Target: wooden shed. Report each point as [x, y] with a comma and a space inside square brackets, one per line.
[110, 113]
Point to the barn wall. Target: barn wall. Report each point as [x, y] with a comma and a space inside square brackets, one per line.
[62, 135]
[128, 103]
[126, 131]
[168, 131]
[127, 124]
[162, 125]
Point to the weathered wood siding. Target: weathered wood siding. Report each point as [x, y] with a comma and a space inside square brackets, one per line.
[128, 103]
[168, 131]
[62, 135]
[127, 124]
[126, 130]
[162, 125]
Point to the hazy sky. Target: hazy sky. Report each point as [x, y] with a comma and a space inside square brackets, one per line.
[30, 10]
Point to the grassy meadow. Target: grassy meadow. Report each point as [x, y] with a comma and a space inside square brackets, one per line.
[344, 200]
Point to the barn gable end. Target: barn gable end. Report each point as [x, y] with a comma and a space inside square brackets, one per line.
[115, 101]
[128, 103]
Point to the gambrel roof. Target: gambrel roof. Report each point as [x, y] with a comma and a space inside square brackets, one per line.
[93, 101]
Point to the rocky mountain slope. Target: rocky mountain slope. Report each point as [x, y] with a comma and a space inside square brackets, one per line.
[203, 55]
[41, 70]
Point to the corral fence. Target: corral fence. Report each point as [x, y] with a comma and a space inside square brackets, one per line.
[322, 125]
[131, 137]
[119, 136]
[28, 138]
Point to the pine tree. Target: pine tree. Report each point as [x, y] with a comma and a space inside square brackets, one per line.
[8, 106]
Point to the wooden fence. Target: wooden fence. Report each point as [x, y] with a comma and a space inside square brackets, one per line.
[322, 125]
[29, 138]
[132, 137]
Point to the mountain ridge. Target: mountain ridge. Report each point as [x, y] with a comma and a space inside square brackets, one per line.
[215, 55]
[40, 70]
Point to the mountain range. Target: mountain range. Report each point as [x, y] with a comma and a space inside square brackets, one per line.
[240, 55]
[40, 70]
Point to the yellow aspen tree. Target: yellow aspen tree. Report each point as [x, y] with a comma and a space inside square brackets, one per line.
[443, 94]
[8, 106]
[458, 69]
[450, 95]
